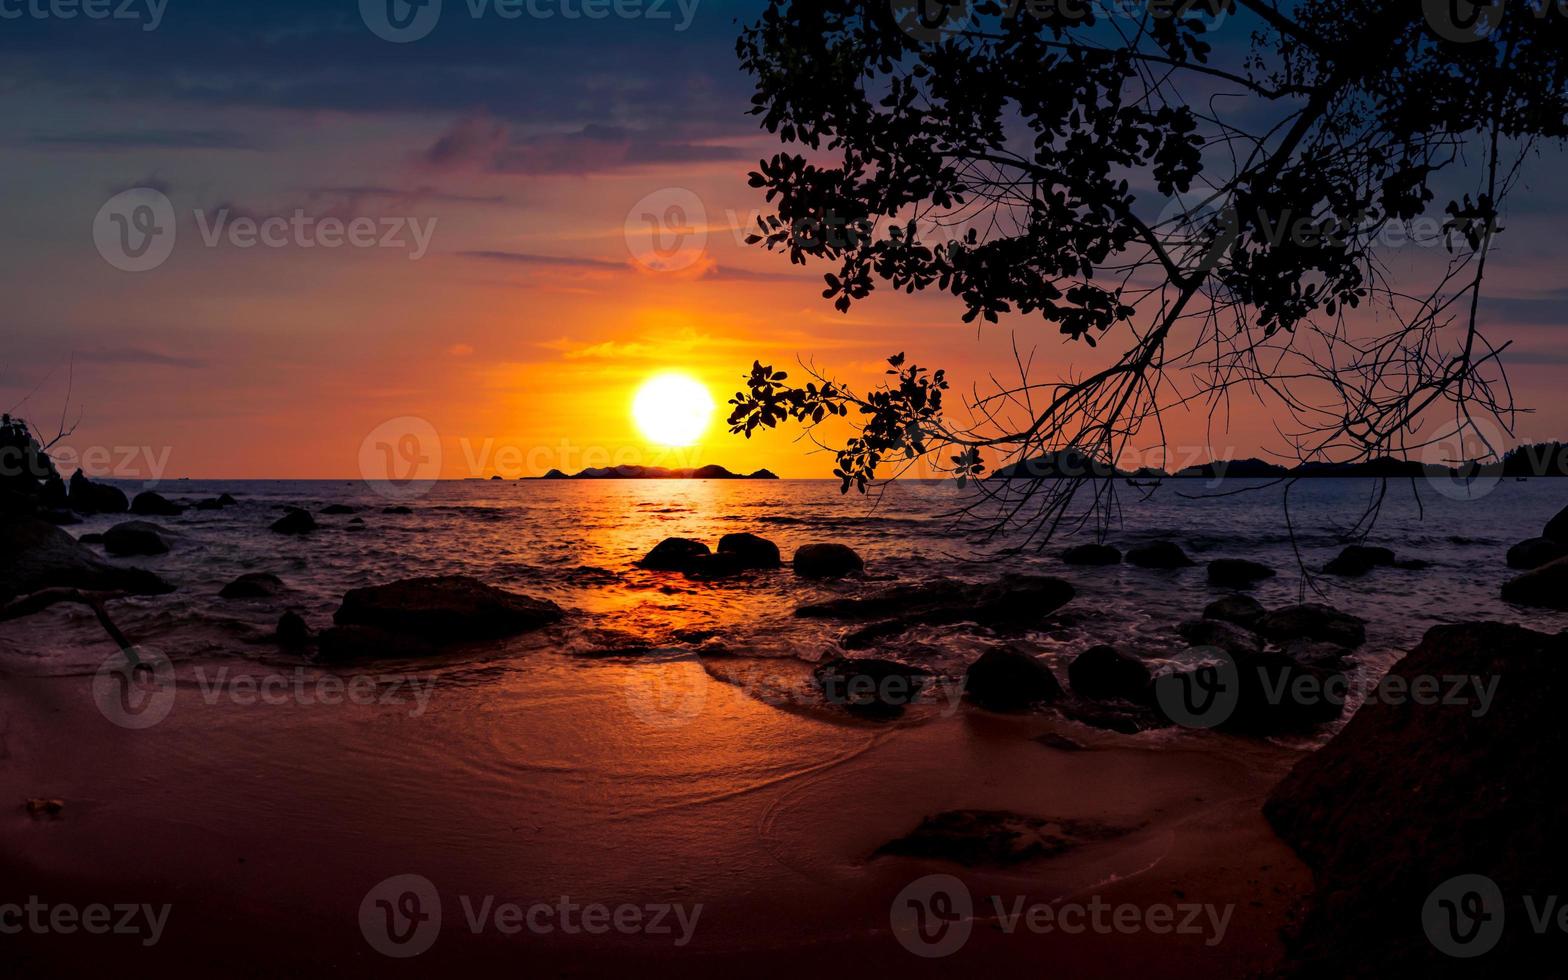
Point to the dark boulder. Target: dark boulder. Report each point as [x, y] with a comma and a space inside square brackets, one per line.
[996, 838]
[1557, 528]
[87, 497]
[826, 561]
[1104, 672]
[1317, 653]
[1010, 679]
[60, 518]
[750, 551]
[869, 686]
[1092, 554]
[1237, 573]
[1415, 792]
[295, 522]
[1243, 610]
[1535, 552]
[36, 555]
[227, 500]
[399, 509]
[135, 538]
[1227, 636]
[210, 503]
[1260, 694]
[674, 555]
[1357, 560]
[92, 538]
[1012, 602]
[1545, 587]
[1314, 621]
[338, 509]
[292, 630]
[1159, 554]
[253, 585]
[340, 644]
[445, 609]
[885, 602]
[151, 504]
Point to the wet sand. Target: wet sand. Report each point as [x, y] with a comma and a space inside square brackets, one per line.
[616, 782]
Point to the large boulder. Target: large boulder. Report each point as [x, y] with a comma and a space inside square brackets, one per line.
[880, 688]
[253, 585]
[1237, 573]
[750, 551]
[1416, 792]
[135, 538]
[1104, 672]
[36, 555]
[1557, 528]
[1159, 554]
[1229, 637]
[1092, 554]
[1546, 587]
[151, 504]
[1009, 679]
[1010, 603]
[1243, 610]
[292, 632]
[295, 522]
[1535, 552]
[445, 609]
[1314, 621]
[826, 561]
[87, 497]
[674, 555]
[1356, 560]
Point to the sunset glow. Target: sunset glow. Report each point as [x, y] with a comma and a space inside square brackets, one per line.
[673, 409]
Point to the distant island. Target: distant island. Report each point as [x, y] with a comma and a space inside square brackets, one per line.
[656, 473]
[1541, 459]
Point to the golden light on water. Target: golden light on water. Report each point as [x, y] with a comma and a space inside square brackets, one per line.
[672, 409]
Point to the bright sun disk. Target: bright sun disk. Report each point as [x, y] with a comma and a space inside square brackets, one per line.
[672, 409]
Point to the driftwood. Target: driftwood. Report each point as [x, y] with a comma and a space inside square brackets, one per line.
[34, 602]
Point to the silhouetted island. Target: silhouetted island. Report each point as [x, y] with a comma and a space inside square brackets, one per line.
[656, 473]
[1539, 459]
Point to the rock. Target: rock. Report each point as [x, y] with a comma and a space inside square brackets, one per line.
[150, 504]
[674, 555]
[1545, 587]
[1316, 653]
[884, 602]
[1009, 679]
[227, 500]
[338, 509]
[1414, 792]
[870, 686]
[1092, 554]
[355, 521]
[135, 538]
[750, 550]
[1229, 637]
[1535, 552]
[445, 609]
[1557, 528]
[826, 561]
[211, 503]
[295, 522]
[1159, 554]
[338, 644]
[292, 630]
[1237, 573]
[36, 555]
[1012, 602]
[397, 510]
[1314, 621]
[87, 497]
[706, 568]
[999, 838]
[1280, 696]
[1104, 672]
[253, 585]
[93, 538]
[53, 493]
[42, 806]
[60, 518]
[1357, 560]
[1243, 610]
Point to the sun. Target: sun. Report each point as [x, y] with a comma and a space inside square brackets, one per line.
[672, 409]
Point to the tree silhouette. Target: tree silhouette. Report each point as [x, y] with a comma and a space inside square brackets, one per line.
[1209, 189]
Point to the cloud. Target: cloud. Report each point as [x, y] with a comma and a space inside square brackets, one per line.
[567, 261]
[138, 355]
[471, 142]
[109, 141]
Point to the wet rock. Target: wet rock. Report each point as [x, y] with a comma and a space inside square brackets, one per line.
[870, 686]
[227, 500]
[135, 538]
[1104, 672]
[1237, 573]
[151, 504]
[397, 510]
[87, 497]
[1092, 554]
[295, 522]
[674, 555]
[1159, 554]
[1062, 743]
[292, 630]
[36, 555]
[445, 609]
[210, 503]
[1012, 602]
[826, 561]
[977, 838]
[1416, 791]
[93, 538]
[1545, 587]
[60, 518]
[40, 807]
[1357, 560]
[338, 644]
[338, 509]
[1227, 636]
[884, 602]
[1314, 621]
[1317, 653]
[1557, 528]
[1243, 610]
[1010, 679]
[750, 551]
[253, 585]
[1535, 552]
